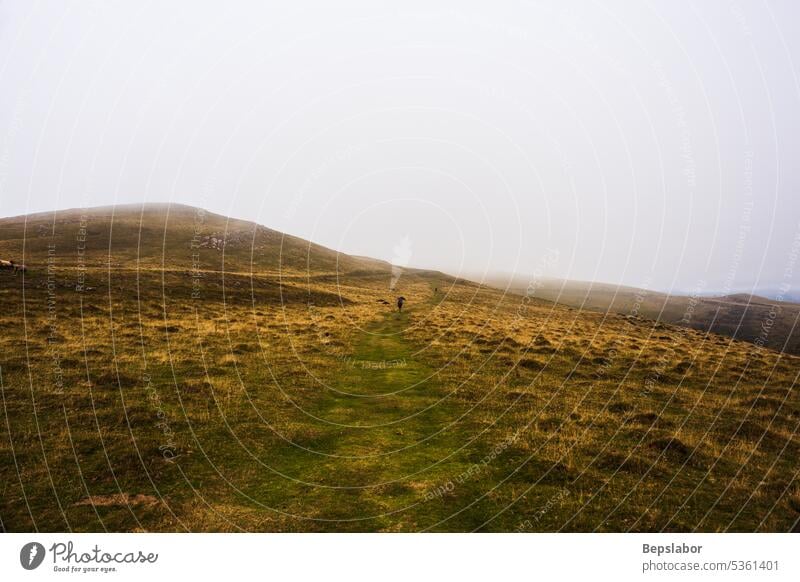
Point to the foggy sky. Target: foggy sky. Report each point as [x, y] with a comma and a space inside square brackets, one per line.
[649, 144]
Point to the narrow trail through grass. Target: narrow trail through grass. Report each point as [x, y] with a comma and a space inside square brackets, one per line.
[383, 438]
[386, 406]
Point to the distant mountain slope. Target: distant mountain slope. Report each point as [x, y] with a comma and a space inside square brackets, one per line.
[751, 318]
[171, 235]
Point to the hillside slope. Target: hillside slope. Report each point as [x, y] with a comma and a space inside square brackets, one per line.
[750, 318]
[172, 236]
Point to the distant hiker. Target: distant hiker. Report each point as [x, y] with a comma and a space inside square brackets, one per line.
[400, 301]
[12, 265]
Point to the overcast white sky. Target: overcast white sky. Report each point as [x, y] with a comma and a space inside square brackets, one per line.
[652, 144]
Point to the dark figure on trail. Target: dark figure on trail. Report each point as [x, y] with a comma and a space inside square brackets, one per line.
[400, 301]
[13, 266]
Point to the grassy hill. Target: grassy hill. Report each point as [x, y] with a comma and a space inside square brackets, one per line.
[166, 236]
[774, 324]
[154, 378]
